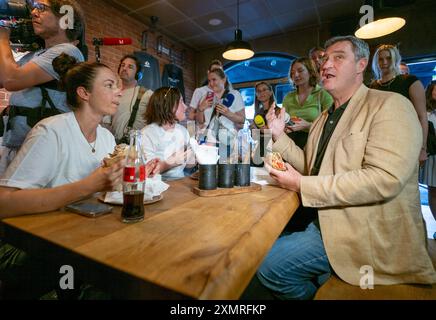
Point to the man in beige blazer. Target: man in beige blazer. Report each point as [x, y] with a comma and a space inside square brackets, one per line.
[360, 171]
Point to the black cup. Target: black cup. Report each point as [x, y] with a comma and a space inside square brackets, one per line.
[242, 175]
[207, 177]
[226, 175]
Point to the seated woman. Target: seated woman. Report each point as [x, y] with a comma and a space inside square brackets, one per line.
[225, 111]
[60, 162]
[163, 137]
[306, 103]
[263, 101]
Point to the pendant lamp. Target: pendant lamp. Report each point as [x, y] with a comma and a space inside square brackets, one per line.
[380, 27]
[238, 49]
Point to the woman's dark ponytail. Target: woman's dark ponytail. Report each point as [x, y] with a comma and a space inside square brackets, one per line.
[74, 75]
[61, 64]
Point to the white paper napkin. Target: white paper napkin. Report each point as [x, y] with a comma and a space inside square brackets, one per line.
[205, 154]
[261, 176]
[153, 187]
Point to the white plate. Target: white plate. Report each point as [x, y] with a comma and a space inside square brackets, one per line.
[155, 199]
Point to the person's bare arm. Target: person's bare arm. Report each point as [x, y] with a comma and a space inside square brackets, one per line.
[192, 113]
[15, 202]
[417, 96]
[237, 117]
[176, 159]
[12, 76]
[204, 104]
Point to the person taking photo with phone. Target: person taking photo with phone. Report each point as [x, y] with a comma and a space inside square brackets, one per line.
[226, 112]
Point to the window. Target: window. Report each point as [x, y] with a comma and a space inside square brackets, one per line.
[281, 90]
[248, 97]
[270, 67]
[424, 69]
[264, 66]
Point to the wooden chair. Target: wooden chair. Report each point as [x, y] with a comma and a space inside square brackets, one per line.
[336, 289]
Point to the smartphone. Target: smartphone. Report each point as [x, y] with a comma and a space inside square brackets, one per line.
[89, 209]
[209, 95]
[290, 123]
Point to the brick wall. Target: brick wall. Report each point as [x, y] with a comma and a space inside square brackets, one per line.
[104, 20]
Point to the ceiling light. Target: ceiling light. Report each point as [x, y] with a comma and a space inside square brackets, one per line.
[238, 49]
[380, 28]
[215, 22]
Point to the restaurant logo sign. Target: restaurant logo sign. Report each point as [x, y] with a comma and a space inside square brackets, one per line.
[67, 20]
[368, 16]
[367, 279]
[67, 280]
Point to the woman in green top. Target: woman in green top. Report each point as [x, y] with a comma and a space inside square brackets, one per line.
[306, 103]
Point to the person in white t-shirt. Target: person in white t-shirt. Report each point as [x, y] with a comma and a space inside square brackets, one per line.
[226, 111]
[201, 92]
[163, 137]
[60, 162]
[61, 158]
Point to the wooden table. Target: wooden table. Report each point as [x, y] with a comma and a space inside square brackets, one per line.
[186, 247]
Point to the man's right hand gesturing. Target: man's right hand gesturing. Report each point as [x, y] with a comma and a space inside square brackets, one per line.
[276, 123]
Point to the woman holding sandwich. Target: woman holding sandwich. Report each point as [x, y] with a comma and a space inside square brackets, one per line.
[61, 159]
[60, 162]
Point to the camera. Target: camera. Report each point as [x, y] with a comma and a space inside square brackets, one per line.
[16, 15]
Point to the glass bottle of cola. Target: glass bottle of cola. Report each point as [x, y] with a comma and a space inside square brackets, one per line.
[134, 181]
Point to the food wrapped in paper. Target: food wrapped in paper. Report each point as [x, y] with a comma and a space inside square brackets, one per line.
[274, 159]
[154, 187]
[120, 152]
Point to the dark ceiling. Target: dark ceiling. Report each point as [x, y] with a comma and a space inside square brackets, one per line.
[188, 21]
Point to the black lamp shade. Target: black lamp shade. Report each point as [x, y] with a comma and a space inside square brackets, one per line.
[238, 49]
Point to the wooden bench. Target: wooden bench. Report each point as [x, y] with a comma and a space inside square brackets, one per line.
[336, 289]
